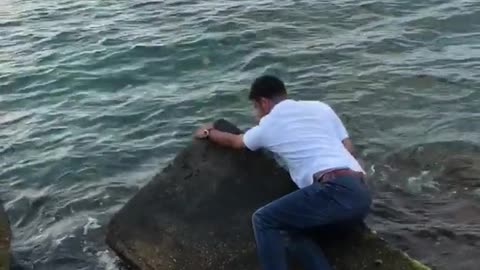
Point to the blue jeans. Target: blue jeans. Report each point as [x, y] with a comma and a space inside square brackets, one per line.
[337, 201]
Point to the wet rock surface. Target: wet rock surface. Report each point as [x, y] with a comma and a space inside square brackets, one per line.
[196, 214]
[427, 203]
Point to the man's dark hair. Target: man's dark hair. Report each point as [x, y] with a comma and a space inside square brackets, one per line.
[267, 86]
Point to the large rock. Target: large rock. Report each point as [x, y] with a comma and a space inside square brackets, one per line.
[4, 240]
[428, 204]
[196, 215]
[462, 170]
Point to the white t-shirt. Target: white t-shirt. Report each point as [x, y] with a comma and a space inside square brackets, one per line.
[306, 135]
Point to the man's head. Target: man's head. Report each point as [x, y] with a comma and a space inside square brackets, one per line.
[265, 92]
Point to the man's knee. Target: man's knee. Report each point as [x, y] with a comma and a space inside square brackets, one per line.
[260, 218]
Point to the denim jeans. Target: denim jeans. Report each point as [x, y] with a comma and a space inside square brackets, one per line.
[340, 200]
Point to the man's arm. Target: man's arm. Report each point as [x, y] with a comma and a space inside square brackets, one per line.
[342, 133]
[219, 137]
[226, 139]
[347, 143]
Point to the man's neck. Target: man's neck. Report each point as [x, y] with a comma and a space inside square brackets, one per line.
[277, 100]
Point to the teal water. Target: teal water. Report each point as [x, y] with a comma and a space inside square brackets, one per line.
[97, 96]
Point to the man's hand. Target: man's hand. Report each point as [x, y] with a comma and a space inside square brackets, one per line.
[203, 131]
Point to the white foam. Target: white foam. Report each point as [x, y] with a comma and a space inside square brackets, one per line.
[60, 240]
[107, 260]
[91, 224]
[372, 169]
[424, 180]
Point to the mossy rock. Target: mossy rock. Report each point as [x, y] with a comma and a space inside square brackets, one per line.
[196, 215]
[5, 235]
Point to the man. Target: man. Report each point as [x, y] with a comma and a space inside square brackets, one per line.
[312, 141]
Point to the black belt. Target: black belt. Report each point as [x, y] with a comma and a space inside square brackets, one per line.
[323, 176]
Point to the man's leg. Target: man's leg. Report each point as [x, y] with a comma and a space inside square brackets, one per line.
[307, 252]
[313, 206]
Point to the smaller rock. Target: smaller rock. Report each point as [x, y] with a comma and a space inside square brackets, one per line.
[378, 262]
[5, 235]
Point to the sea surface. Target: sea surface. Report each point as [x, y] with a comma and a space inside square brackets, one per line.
[97, 96]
